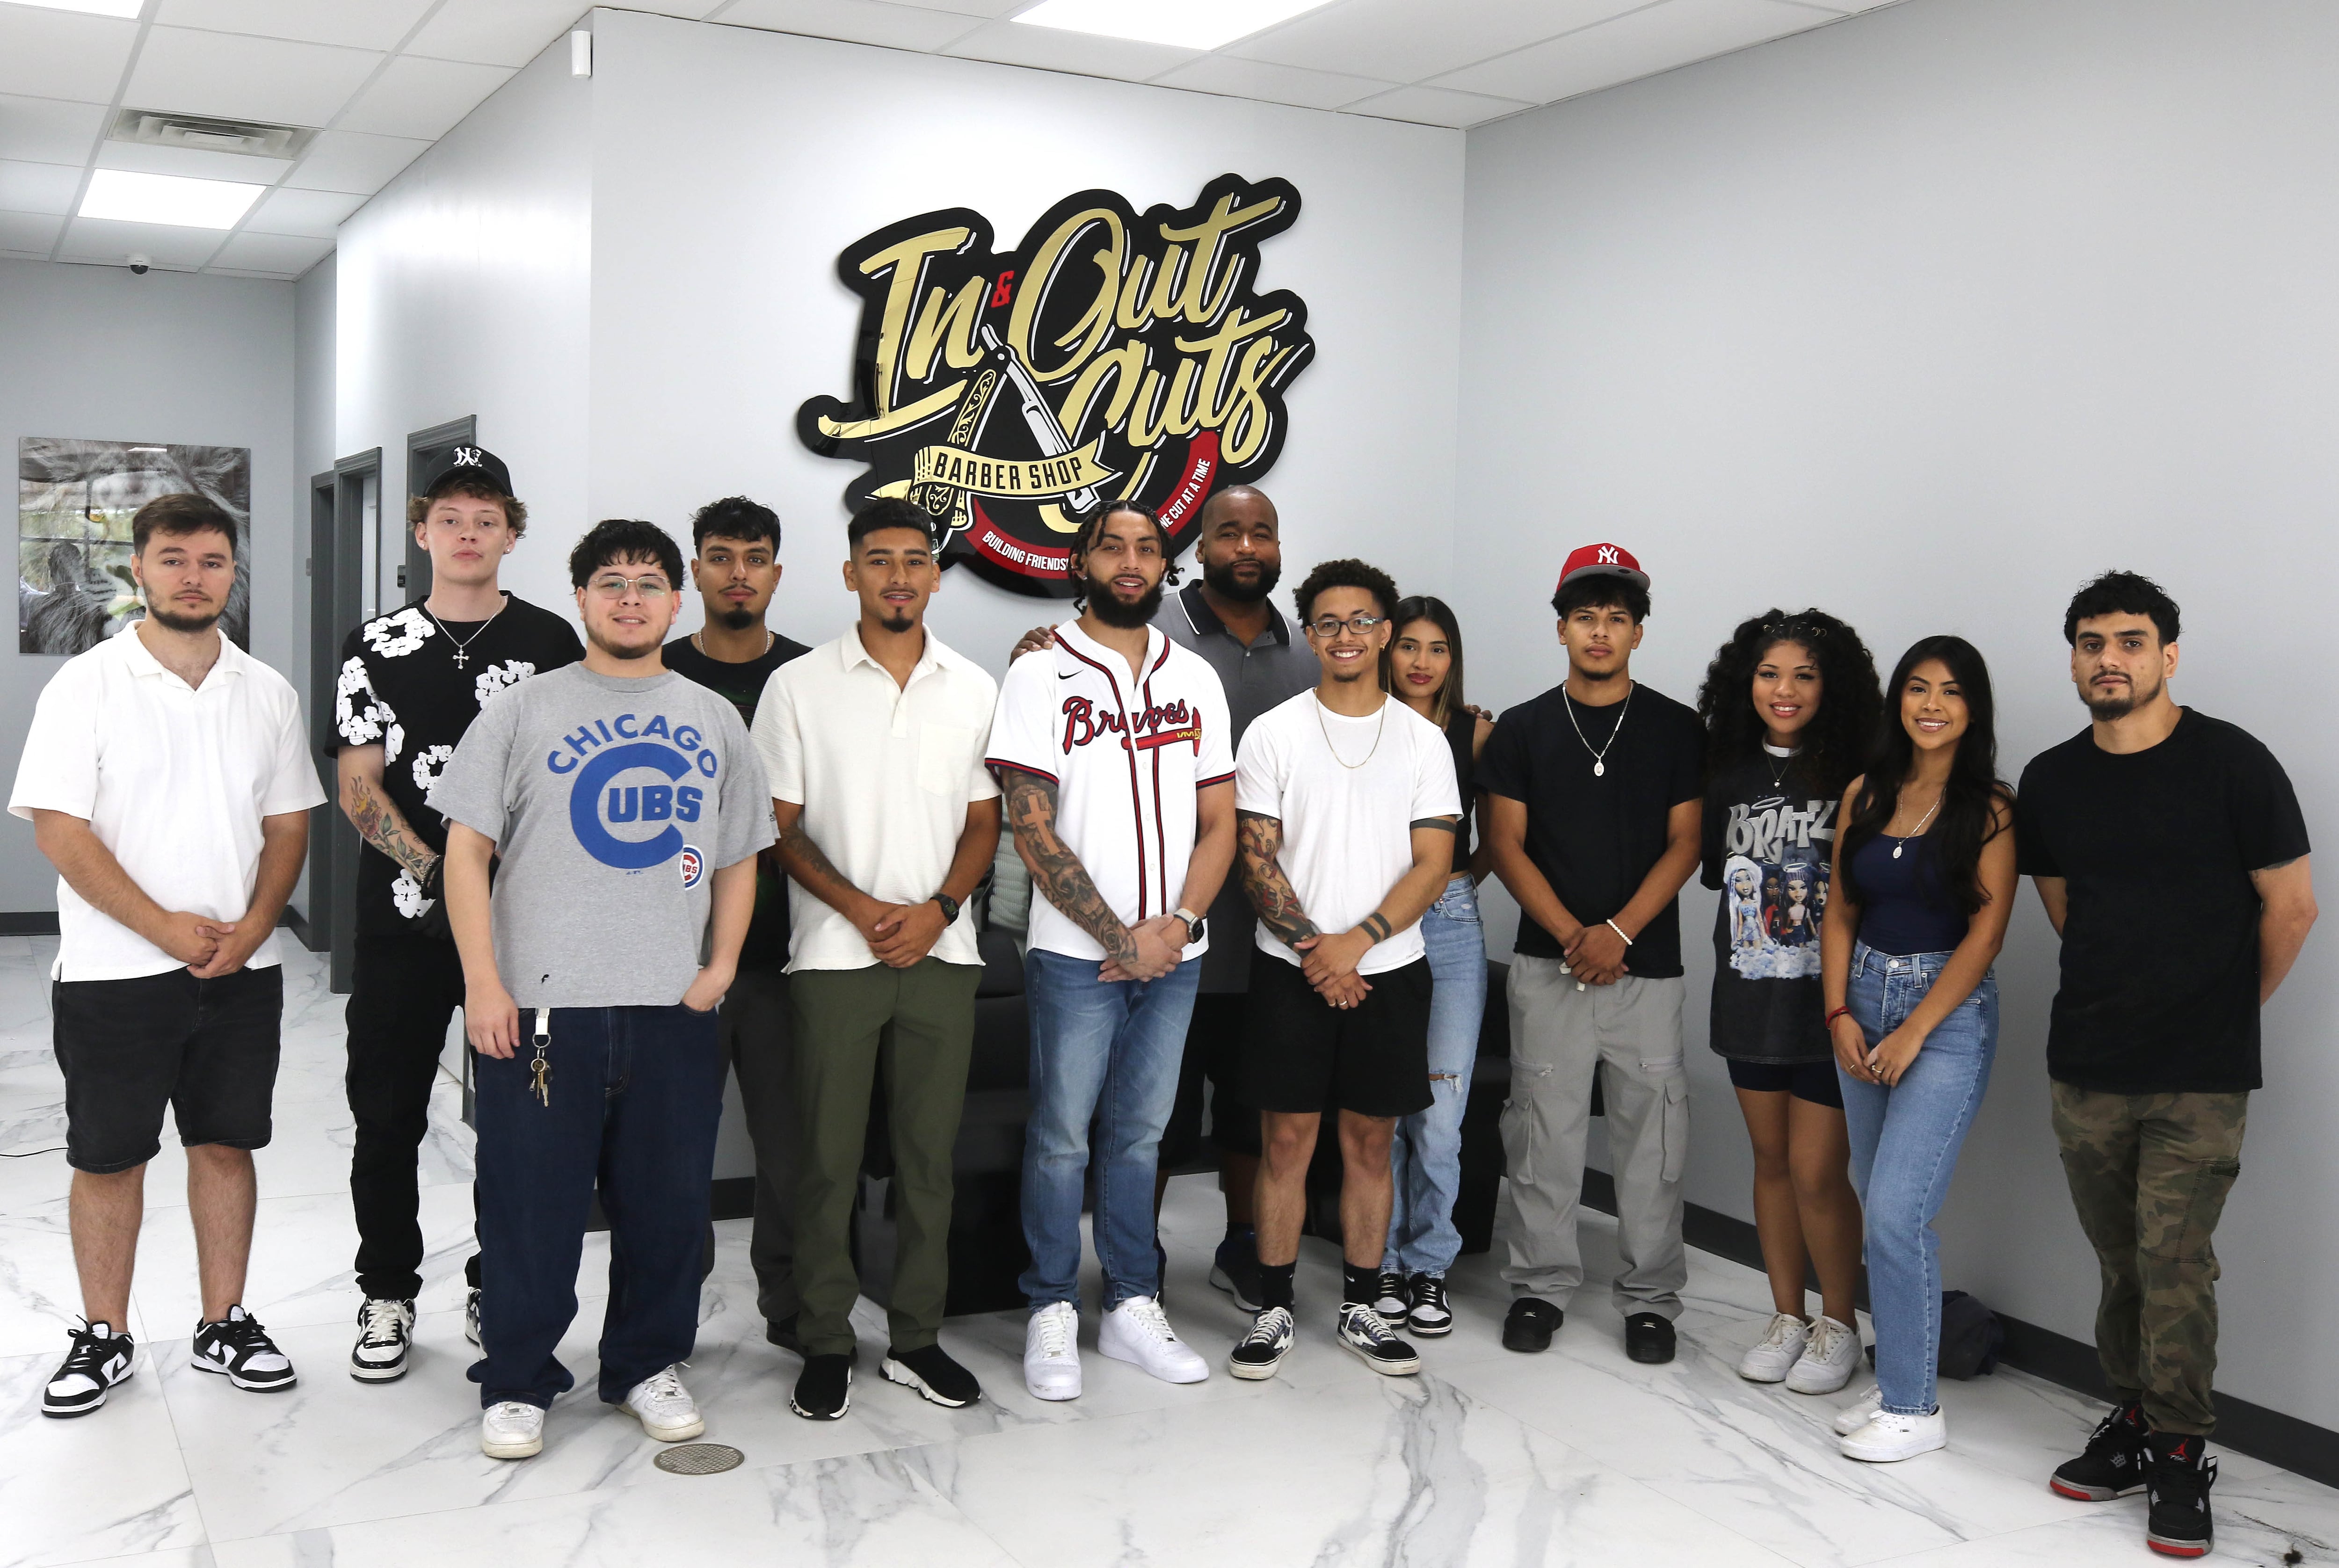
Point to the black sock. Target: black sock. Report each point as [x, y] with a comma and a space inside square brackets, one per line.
[1359, 1282]
[1275, 1285]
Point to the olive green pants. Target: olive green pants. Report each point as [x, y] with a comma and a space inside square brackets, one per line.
[2149, 1174]
[918, 1024]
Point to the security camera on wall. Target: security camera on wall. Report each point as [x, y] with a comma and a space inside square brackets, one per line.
[139, 264]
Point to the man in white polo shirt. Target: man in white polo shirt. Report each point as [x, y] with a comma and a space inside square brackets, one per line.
[167, 777]
[874, 748]
[1113, 747]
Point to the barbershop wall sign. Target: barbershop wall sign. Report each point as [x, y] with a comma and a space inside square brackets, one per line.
[1107, 356]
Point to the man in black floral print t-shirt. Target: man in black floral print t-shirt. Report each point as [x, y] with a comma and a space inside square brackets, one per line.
[410, 683]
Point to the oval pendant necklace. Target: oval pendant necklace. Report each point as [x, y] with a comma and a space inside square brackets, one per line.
[1915, 832]
[1600, 757]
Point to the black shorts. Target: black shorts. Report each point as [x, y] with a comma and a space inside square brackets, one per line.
[1214, 1042]
[1301, 1054]
[1813, 1080]
[205, 1049]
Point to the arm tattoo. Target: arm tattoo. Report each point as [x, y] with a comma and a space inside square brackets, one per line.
[1258, 841]
[1375, 925]
[1444, 824]
[806, 862]
[378, 823]
[1061, 879]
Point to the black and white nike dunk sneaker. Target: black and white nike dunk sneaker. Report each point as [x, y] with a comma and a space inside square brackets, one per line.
[239, 1349]
[99, 1359]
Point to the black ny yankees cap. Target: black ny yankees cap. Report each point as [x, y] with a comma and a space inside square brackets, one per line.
[468, 465]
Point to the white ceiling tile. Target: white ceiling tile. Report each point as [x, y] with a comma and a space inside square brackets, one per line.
[1055, 49]
[1411, 40]
[48, 131]
[688, 10]
[286, 255]
[1437, 107]
[60, 54]
[348, 161]
[316, 214]
[426, 98]
[357, 23]
[29, 233]
[165, 244]
[1275, 83]
[855, 20]
[38, 187]
[978, 8]
[195, 162]
[495, 31]
[245, 78]
[1643, 44]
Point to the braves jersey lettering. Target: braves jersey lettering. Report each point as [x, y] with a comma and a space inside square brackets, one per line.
[1084, 723]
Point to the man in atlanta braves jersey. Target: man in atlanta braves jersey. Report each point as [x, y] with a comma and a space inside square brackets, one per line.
[1112, 746]
[411, 681]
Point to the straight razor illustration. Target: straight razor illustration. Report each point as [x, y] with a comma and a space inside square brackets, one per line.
[1037, 414]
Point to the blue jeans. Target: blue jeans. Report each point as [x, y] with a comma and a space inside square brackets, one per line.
[633, 1098]
[1106, 1054]
[1426, 1157]
[1904, 1149]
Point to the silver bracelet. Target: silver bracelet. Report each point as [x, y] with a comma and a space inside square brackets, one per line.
[1619, 929]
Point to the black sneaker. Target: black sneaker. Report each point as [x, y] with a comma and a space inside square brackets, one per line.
[1390, 1299]
[823, 1389]
[2181, 1474]
[2113, 1465]
[239, 1349]
[1426, 1314]
[1529, 1324]
[782, 1332]
[1258, 1353]
[471, 1317]
[1648, 1337]
[1365, 1331]
[1234, 1268]
[384, 1335]
[99, 1359]
[933, 1373]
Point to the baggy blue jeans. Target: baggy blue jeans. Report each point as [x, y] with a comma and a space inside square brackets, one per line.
[1107, 1054]
[1426, 1157]
[1904, 1149]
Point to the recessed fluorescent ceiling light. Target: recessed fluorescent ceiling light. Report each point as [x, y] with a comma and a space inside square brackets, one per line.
[95, 7]
[1188, 23]
[167, 199]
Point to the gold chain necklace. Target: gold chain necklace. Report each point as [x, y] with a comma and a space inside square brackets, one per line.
[1326, 733]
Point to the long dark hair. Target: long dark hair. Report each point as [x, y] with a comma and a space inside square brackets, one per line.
[1967, 818]
[1838, 737]
[1426, 607]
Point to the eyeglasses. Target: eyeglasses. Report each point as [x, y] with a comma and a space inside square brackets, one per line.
[1327, 628]
[614, 587]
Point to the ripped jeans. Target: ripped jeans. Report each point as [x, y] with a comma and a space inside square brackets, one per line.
[1630, 1034]
[1425, 1156]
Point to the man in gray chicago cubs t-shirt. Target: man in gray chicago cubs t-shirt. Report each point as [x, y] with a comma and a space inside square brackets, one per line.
[621, 807]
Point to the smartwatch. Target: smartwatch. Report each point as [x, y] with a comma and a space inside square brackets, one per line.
[1196, 926]
[950, 908]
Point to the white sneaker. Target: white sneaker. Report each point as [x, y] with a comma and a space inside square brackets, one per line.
[665, 1407]
[1829, 1359]
[472, 1318]
[1783, 1342]
[384, 1335]
[511, 1430]
[1889, 1436]
[1854, 1415]
[1051, 1352]
[1137, 1332]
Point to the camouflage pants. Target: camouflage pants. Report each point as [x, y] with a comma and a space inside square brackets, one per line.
[2149, 1174]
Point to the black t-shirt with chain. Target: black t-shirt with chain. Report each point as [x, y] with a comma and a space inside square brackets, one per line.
[411, 685]
[1595, 836]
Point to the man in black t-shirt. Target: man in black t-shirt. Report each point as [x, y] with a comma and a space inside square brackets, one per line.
[737, 569]
[2171, 855]
[1594, 798]
[410, 683]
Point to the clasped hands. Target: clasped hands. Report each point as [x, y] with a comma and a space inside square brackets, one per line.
[900, 934]
[1329, 964]
[1595, 954]
[208, 948]
[1160, 947]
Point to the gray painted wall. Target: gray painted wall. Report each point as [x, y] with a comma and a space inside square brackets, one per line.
[1925, 318]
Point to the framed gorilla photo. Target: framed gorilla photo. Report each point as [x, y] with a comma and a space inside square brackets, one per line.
[74, 500]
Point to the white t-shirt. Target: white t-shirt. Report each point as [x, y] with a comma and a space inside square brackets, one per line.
[173, 779]
[884, 773]
[1127, 755]
[1347, 831]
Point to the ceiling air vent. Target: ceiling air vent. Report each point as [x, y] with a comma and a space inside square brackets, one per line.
[251, 138]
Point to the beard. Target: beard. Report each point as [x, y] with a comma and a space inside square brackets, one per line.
[183, 623]
[740, 620]
[2119, 707]
[1113, 612]
[1224, 582]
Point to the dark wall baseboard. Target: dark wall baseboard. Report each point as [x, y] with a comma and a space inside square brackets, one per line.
[2297, 1445]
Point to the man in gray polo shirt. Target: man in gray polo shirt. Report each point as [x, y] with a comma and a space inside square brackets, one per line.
[1230, 620]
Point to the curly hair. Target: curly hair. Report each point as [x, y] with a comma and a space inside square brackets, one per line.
[1091, 529]
[1836, 742]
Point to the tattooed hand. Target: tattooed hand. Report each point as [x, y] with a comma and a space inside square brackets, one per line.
[1063, 881]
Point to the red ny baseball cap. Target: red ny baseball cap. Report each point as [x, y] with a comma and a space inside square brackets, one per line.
[1603, 561]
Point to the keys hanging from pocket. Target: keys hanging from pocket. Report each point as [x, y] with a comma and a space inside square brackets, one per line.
[540, 1070]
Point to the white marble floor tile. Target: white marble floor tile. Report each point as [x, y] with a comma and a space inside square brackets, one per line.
[105, 1485]
[40, 1292]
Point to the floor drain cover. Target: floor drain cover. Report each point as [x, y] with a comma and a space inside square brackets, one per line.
[698, 1459]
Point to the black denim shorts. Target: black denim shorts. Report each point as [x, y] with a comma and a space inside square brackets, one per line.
[1303, 1054]
[205, 1049]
